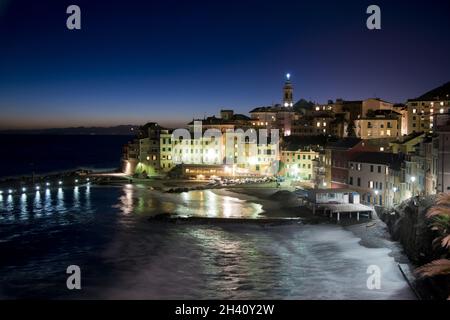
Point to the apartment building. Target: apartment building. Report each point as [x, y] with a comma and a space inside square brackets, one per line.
[378, 127]
[376, 176]
[337, 156]
[423, 110]
[298, 163]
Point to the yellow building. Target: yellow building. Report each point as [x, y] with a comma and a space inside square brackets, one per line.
[423, 110]
[298, 164]
[244, 156]
[379, 124]
[377, 128]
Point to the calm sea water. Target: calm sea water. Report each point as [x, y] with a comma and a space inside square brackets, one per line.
[23, 154]
[106, 231]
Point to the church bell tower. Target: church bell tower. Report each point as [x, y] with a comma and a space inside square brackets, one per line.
[288, 100]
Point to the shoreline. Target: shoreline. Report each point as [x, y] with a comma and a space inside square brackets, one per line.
[280, 207]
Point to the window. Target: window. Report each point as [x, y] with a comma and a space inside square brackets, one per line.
[371, 184]
[371, 168]
[379, 169]
[359, 182]
[350, 182]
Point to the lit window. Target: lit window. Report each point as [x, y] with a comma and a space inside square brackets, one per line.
[318, 124]
[441, 110]
[414, 110]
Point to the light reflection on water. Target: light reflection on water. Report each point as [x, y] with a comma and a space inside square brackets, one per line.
[99, 228]
[133, 200]
[203, 203]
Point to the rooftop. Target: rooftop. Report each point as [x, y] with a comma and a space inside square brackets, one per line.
[217, 121]
[345, 143]
[275, 108]
[392, 160]
[409, 137]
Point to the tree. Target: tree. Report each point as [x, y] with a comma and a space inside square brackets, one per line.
[370, 113]
[303, 105]
[351, 129]
[440, 213]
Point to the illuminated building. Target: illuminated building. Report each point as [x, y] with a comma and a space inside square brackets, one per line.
[298, 164]
[423, 110]
[380, 124]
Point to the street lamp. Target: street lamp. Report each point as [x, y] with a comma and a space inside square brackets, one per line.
[394, 190]
[413, 179]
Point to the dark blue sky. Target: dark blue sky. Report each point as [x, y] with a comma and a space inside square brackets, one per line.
[170, 61]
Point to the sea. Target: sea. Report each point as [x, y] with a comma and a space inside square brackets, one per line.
[109, 233]
[23, 155]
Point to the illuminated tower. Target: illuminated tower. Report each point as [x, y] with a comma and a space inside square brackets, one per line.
[288, 100]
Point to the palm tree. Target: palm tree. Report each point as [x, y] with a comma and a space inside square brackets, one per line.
[434, 268]
[440, 213]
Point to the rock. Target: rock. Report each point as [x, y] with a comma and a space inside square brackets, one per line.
[408, 224]
[285, 198]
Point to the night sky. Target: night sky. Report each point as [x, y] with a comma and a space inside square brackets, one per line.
[170, 61]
